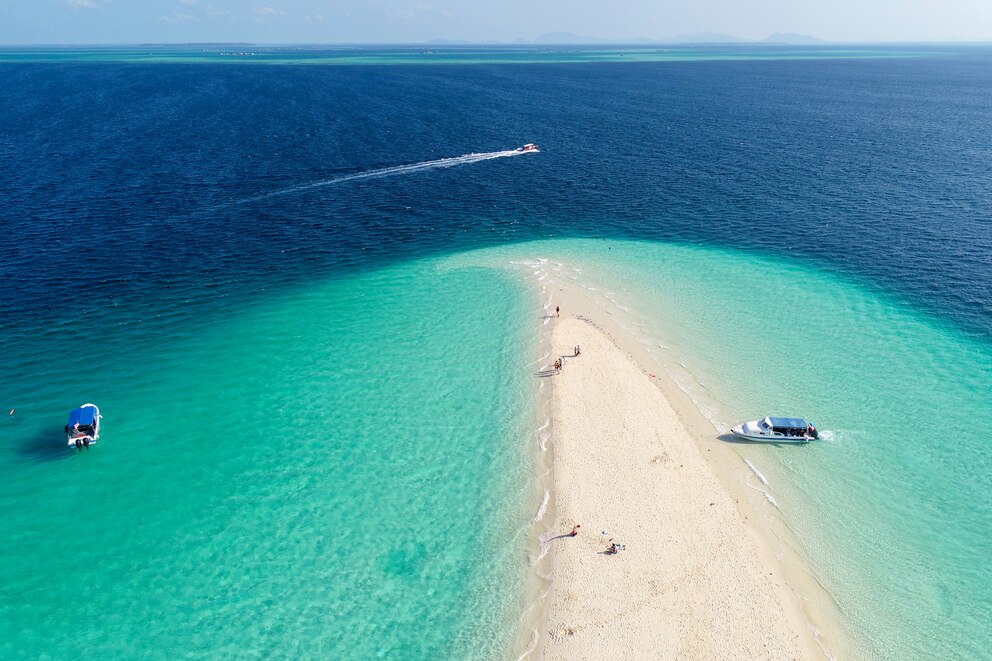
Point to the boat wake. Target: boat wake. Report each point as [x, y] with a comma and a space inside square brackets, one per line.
[465, 159]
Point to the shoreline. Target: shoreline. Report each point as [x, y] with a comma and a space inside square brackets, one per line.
[813, 627]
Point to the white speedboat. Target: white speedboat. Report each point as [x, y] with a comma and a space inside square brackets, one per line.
[83, 428]
[530, 146]
[777, 430]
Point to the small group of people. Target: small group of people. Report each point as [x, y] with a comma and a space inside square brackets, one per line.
[560, 361]
[613, 547]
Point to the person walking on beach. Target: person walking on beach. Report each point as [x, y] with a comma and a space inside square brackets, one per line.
[557, 310]
[575, 530]
[558, 365]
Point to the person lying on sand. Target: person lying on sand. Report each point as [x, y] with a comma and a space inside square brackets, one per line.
[614, 548]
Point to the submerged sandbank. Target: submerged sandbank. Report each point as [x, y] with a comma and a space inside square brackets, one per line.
[845, 519]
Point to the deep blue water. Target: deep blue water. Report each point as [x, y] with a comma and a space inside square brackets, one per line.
[880, 168]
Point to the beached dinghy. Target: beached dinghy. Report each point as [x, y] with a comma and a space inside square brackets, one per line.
[83, 427]
[777, 430]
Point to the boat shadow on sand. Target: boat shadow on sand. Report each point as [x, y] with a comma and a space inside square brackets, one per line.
[43, 445]
[737, 440]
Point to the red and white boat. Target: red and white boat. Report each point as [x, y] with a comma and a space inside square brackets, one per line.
[530, 146]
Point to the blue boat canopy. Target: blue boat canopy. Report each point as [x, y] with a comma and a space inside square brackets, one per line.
[84, 415]
[791, 423]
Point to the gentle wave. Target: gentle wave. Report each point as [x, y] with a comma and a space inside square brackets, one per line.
[756, 472]
[764, 492]
[544, 506]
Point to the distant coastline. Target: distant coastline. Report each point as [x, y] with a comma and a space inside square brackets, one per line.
[449, 53]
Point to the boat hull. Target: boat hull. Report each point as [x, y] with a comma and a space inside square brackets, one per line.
[762, 438]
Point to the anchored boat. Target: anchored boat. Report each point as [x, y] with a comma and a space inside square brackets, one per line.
[83, 427]
[777, 430]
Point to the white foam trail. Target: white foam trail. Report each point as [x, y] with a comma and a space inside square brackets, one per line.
[544, 442]
[464, 159]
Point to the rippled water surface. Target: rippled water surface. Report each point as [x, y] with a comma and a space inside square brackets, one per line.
[317, 441]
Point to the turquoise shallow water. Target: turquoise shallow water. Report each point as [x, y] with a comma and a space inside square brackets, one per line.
[334, 473]
[892, 507]
[346, 469]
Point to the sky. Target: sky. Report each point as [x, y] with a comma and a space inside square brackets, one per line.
[417, 21]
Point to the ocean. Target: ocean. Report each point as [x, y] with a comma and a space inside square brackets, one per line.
[292, 291]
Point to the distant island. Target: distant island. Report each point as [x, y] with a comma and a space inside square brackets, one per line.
[792, 38]
[572, 39]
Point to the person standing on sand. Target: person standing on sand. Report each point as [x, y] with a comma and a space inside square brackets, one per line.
[575, 530]
[557, 310]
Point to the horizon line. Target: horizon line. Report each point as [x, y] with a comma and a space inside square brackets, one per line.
[442, 43]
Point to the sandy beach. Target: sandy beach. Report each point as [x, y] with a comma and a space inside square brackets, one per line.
[692, 580]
